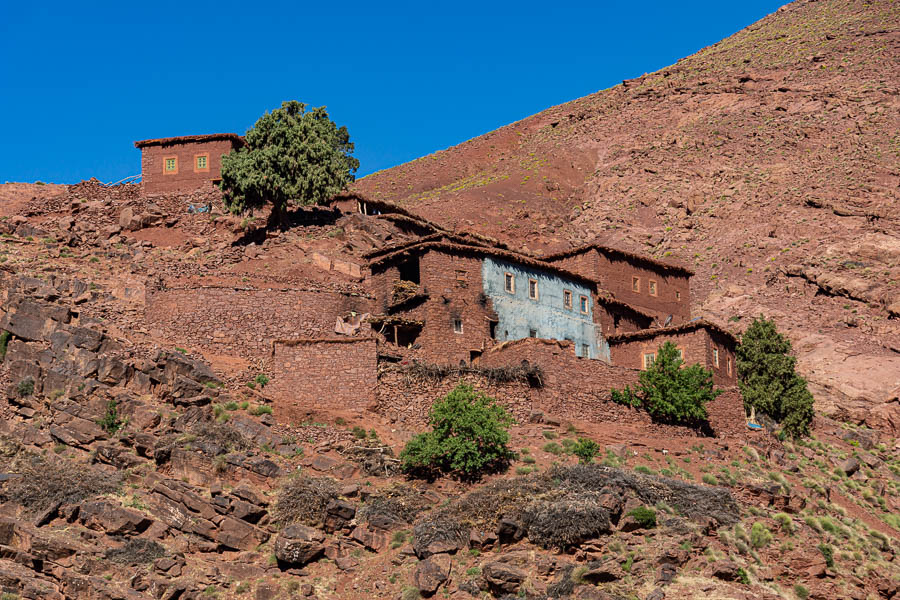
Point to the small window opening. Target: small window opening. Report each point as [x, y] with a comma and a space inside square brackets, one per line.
[171, 164]
[651, 287]
[716, 357]
[636, 284]
[201, 162]
[681, 354]
[678, 295]
[567, 299]
[584, 304]
[533, 289]
[728, 366]
[461, 278]
[457, 326]
[532, 333]
[648, 360]
[585, 351]
[409, 270]
[510, 283]
[492, 328]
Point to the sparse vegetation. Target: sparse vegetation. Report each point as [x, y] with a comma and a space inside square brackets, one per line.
[111, 423]
[302, 499]
[645, 516]
[586, 449]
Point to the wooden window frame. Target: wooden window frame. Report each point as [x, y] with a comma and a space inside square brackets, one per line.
[653, 287]
[567, 299]
[584, 305]
[636, 284]
[198, 156]
[716, 357]
[458, 321]
[682, 353]
[728, 365]
[165, 160]
[509, 283]
[462, 278]
[644, 363]
[537, 292]
[677, 296]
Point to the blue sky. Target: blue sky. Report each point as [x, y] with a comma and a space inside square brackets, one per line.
[80, 81]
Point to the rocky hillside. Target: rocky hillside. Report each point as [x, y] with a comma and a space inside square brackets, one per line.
[768, 162]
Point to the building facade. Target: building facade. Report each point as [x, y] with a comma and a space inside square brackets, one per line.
[186, 163]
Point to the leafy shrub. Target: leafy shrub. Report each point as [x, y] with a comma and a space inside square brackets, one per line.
[785, 522]
[25, 387]
[828, 552]
[550, 435]
[768, 380]
[801, 592]
[710, 479]
[586, 449]
[261, 380]
[261, 409]
[303, 499]
[4, 342]
[111, 422]
[670, 392]
[760, 536]
[359, 432]
[645, 516]
[469, 437]
[742, 576]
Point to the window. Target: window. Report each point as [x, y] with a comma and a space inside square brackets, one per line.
[681, 354]
[585, 351]
[648, 360]
[461, 278]
[510, 283]
[651, 287]
[678, 296]
[567, 299]
[170, 165]
[728, 366]
[584, 304]
[201, 163]
[533, 289]
[716, 357]
[532, 333]
[457, 326]
[636, 284]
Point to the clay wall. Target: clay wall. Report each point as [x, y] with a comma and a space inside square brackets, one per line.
[333, 374]
[187, 177]
[698, 347]
[615, 274]
[614, 319]
[244, 322]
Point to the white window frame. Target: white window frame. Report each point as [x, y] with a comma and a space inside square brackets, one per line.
[584, 305]
[537, 294]
[716, 357]
[645, 363]
[567, 299]
[459, 322]
[509, 282]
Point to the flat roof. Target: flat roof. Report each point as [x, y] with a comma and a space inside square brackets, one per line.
[190, 139]
[674, 329]
[631, 256]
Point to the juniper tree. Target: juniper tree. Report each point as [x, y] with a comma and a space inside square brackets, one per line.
[293, 156]
[768, 380]
[670, 391]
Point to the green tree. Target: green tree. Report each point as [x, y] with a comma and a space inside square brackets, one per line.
[768, 380]
[469, 437]
[586, 449]
[671, 392]
[293, 156]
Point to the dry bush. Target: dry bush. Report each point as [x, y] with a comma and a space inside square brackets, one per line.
[215, 439]
[303, 499]
[45, 483]
[393, 507]
[438, 528]
[374, 457]
[136, 551]
[566, 520]
[527, 373]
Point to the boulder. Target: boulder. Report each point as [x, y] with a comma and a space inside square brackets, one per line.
[240, 535]
[725, 570]
[112, 518]
[849, 466]
[298, 545]
[503, 577]
[431, 573]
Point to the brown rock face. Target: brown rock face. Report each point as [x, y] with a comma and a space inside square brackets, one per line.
[503, 577]
[431, 573]
[299, 545]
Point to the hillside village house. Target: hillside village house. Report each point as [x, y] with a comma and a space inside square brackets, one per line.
[186, 163]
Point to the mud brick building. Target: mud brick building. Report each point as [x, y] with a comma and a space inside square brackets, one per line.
[660, 289]
[186, 163]
[455, 301]
[700, 342]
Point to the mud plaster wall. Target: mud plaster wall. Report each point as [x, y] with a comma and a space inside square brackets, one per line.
[614, 273]
[187, 178]
[222, 320]
[698, 348]
[333, 374]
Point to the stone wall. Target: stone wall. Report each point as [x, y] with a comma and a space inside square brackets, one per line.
[244, 322]
[333, 374]
[187, 177]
